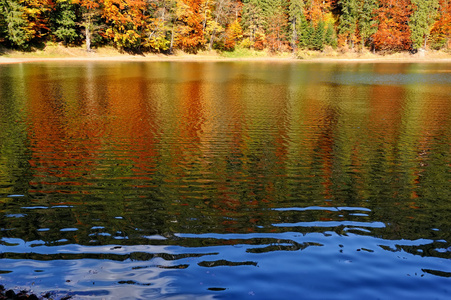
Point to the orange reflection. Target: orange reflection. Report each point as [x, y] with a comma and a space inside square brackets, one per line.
[61, 148]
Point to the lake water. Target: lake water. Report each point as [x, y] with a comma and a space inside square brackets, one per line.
[229, 180]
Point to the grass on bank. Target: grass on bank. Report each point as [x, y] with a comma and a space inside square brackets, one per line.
[241, 52]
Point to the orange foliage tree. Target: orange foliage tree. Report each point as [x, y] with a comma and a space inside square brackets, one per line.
[441, 30]
[316, 9]
[190, 35]
[393, 32]
[127, 22]
[234, 33]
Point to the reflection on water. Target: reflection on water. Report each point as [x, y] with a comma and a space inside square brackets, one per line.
[232, 180]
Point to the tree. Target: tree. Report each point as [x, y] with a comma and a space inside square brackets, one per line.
[367, 22]
[441, 30]
[307, 30]
[295, 13]
[25, 20]
[91, 12]
[160, 31]
[420, 22]
[393, 31]
[316, 9]
[222, 14]
[233, 34]
[348, 20]
[253, 22]
[64, 21]
[319, 36]
[127, 23]
[190, 35]
[17, 30]
[330, 37]
[277, 25]
[37, 12]
[3, 25]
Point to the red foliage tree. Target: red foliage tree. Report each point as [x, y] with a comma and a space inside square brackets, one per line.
[393, 32]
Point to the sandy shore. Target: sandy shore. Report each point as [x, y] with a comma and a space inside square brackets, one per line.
[280, 60]
[77, 54]
[14, 60]
[154, 58]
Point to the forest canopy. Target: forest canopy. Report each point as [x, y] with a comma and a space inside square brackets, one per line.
[193, 25]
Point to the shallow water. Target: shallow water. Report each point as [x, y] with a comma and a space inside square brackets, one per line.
[231, 180]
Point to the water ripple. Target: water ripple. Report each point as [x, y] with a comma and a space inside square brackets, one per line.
[233, 180]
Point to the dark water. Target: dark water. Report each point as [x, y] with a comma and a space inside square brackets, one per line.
[226, 180]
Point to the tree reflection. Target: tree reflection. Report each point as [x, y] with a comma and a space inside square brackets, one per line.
[114, 153]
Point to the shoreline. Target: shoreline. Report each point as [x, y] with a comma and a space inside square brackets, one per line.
[17, 60]
[62, 54]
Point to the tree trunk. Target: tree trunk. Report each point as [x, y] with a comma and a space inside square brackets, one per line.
[212, 39]
[214, 31]
[172, 40]
[204, 23]
[88, 38]
[295, 36]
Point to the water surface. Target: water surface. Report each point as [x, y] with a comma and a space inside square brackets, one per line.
[230, 180]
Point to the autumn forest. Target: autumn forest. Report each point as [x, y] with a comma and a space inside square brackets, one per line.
[193, 25]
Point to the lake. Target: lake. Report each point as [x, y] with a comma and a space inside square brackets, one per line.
[228, 180]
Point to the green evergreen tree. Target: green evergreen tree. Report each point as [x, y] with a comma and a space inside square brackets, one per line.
[64, 21]
[2, 23]
[266, 6]
[277, 26]
[252, 20]
[421, 20]
[348, 19]
[295, 11]
[306, 33]
[367, 20]
[16, 29]
[319, 36]
[330, 37]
